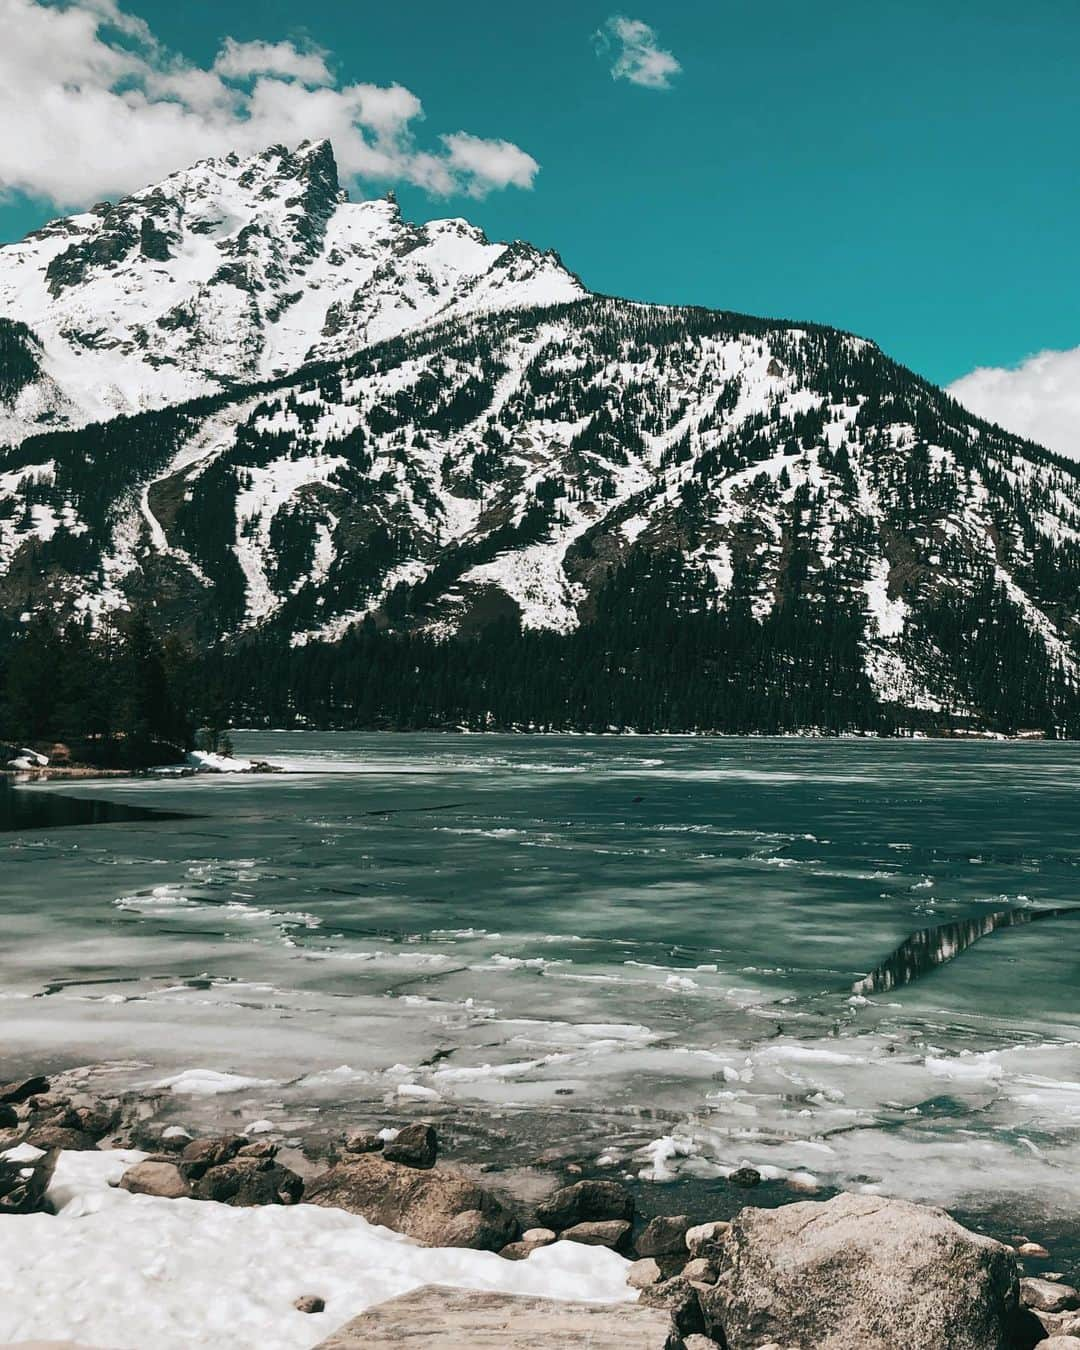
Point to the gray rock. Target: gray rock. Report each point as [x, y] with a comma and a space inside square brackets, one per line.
[363, 1141]
[310, 1303]
[22, 1089]
[1060, 1343]
[614, 1233]
[50, 1137]
[201, 1155]
[249, 1181]
[1048, 1296]
[528, 1243]
[260, 1148]
[745, 1176]
[664, 1236]
[585, 1202]
[463, 1319]
[864, 1271]
[702, 1269]
[156, 1178]
[539, 1237]
[420, 1203]
[415, 1146]
[703, 1239]
[644, 1273]
[23, 1185]
[698, 1342]
[681, 1299]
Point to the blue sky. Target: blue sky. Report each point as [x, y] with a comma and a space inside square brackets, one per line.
[905, 170]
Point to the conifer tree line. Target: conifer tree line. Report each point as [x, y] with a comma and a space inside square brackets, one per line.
[119, 696]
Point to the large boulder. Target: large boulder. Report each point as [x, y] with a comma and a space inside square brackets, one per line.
[437, 1207]
[153, 1177]
[249, 1181]
[860, 1270]
[585, 1202]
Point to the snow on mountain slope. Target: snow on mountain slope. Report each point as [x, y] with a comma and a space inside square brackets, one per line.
[231, 271]
[507, 464]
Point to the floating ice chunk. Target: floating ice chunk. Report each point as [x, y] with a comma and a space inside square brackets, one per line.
[210, 1082]
[661, 1153]
[418, 1092]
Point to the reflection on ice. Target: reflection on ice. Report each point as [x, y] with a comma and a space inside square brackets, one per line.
[931, 947]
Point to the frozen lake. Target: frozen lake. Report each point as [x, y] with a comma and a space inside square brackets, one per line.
[578, 947]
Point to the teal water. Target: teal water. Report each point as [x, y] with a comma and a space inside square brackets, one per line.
[640, 950]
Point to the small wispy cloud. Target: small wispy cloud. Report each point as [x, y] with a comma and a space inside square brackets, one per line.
[638, 56]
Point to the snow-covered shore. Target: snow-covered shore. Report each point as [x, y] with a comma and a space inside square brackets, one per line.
[133, 1271]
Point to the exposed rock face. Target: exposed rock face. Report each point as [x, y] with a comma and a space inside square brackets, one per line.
[585, 1202]
[434, 1206]
[862, 1271]
[201, 1155]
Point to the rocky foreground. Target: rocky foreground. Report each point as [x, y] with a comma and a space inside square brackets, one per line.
[857, 1272]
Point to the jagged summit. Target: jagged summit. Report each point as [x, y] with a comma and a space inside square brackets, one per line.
[232, 270]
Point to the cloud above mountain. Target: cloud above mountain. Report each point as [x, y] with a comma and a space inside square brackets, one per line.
[93, 105]
[1039, 399]
[636, 53]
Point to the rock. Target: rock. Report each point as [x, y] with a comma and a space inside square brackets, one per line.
[50, 1137]
[585, 1202]
[22, 1090]
[96, 1120]
[363, 1141]
[1047, 1296]
[438, 1318]
[614, 1233]
[698, 1342]
[745, 1176]
[8, 1116]
[261, 1148]
[420, 1203]
[250, 1181]
[702, 1239]
[310, 1303]
[156, 1178]
[643, 1274]
[415, 1146]
[1060, 1343]
[529, 1242]
[681, 1300]
[23, 1183]
[201, 1155]
[700, 1269]
[1033, 1249]
[664, 1236]
[861, 1270]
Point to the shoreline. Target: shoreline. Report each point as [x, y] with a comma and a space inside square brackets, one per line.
[111, 1169]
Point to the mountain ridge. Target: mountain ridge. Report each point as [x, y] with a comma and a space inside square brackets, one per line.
[763, 481]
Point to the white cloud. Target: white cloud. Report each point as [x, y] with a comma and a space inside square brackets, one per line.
[638, 58]
[494, 163]
[238, 60]
[92, 105]
[1039, 399]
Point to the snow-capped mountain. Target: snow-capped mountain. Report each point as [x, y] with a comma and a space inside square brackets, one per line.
[234, 271]
[477, 439]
